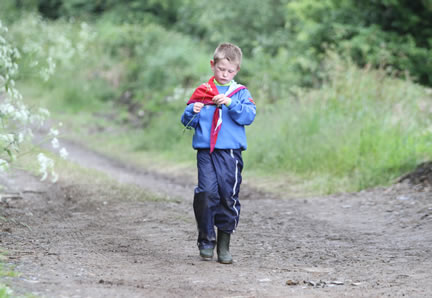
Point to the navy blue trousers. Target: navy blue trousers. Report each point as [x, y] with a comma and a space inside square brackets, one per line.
[216, 200]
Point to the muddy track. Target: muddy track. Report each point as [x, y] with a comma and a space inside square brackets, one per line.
[88, 240]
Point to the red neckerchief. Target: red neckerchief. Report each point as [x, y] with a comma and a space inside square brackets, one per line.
[205, 93]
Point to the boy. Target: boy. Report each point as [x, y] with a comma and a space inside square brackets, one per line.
[218, 111]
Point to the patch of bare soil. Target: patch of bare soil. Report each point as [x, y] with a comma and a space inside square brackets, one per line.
[88, 240]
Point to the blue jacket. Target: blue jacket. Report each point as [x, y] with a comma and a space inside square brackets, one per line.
[232, 134]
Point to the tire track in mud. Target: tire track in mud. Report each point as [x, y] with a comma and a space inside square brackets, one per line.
[87, 243]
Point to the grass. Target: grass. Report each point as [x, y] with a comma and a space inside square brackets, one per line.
[5, 290]
[150, 147]
[103, 186]
[362, 128]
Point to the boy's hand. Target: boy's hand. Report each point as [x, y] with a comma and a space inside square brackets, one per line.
[222, 99]
[197, 107]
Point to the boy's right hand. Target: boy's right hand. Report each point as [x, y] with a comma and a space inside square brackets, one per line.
[197, 107]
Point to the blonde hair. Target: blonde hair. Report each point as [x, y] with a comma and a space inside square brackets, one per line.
[228, 51]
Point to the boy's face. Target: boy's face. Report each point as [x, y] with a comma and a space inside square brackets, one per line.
[224, 71]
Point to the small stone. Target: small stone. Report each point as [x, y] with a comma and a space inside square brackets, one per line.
[337, 283]
[290, 282]
[310, 283]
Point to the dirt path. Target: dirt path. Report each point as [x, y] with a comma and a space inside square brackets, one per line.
[90, 240]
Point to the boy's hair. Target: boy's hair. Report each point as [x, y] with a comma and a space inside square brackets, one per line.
[228, 51]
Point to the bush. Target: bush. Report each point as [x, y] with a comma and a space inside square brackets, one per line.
[18, 120]
[156, 62]
[358, 128]
[394, 33]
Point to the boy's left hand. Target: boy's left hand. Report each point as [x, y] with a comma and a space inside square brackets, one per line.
[222, 99]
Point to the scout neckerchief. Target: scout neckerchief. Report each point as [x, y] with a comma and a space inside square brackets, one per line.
[205, 93]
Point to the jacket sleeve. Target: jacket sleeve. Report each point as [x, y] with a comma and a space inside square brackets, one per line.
[189, 118]
[242, 108]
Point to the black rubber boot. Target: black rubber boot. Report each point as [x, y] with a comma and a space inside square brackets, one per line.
[206, 253]
[223, 242]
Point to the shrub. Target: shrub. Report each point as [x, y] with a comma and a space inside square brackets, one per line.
[358, 128]
[17, 118]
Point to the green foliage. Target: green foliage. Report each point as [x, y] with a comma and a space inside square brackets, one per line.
[383, 32]
[157, 64]
[355, 131]
[45, 47]
[358, 129]
[130, 11]
[5, 291]
[394, 33]
[166, 134]
[251, 24]
[12, 10]
[144, 67]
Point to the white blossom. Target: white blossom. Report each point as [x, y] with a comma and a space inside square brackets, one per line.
[4, 165]
[44, 112]
[63, 153]
[7, 138]
[46, 164]
[16, 118]
[22, 114]
[54, 177]
[54, 132]
[55, 143]
[20, 138]
[7, 109]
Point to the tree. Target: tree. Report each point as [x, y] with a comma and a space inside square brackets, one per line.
[17, 119]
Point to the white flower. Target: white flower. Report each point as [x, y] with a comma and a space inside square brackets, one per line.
[7, 138]
[55, 143]
[20, 138]
[39, 118]
[208, 87]
[54, 177]
[44, 112]
[22, 115]
[45, 164]
[16, 118]
[63, 153]
[7, 109]
[4, 165]
[54, 132]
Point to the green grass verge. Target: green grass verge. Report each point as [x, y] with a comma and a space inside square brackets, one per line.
[361, 129]
[5, 290]
[102, 186]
